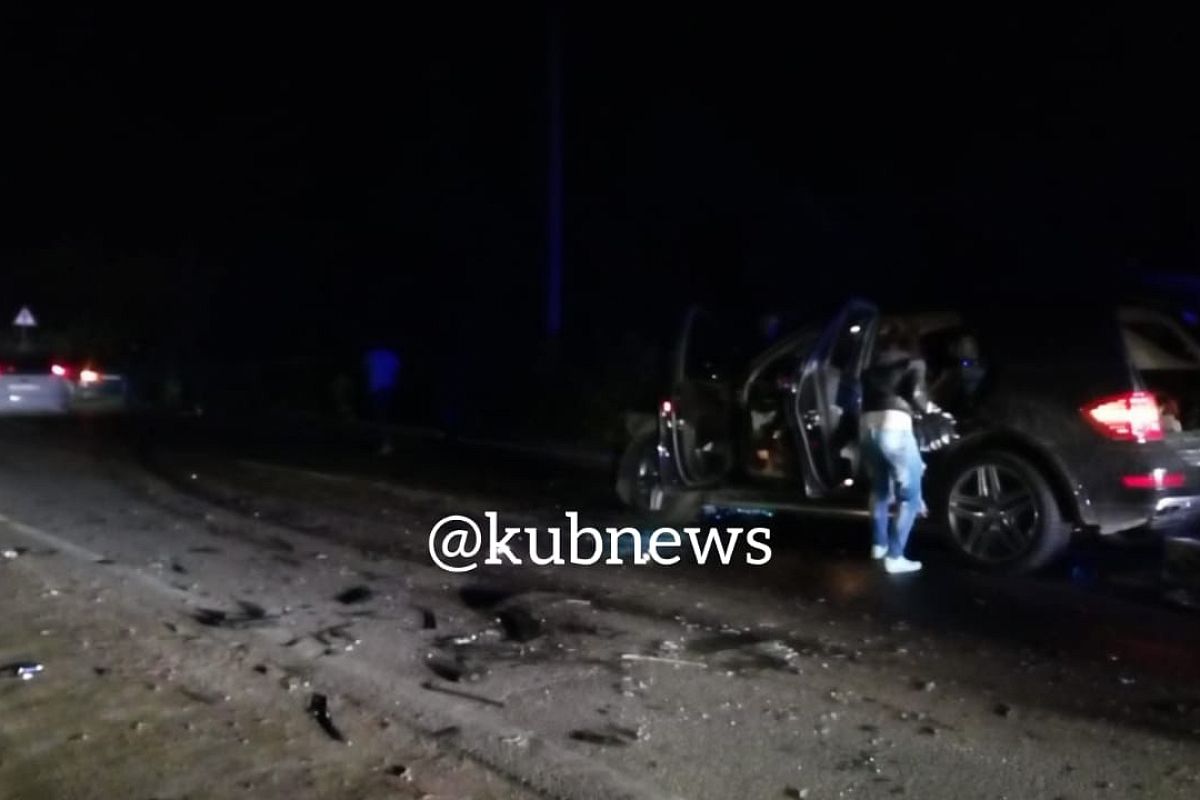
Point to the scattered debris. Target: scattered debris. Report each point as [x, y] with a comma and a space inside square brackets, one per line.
[519, 624]
[355, 594]
[178, 568]
[252, 610]
[399, 771]
[261, 669]
[445, 669]
[326, 636]
[609, 736]
[428, 621]
[25, 670]
[251, 614]
[1002, 710]
[924, 686]
[105, 561]
[449, 730]
[433, 687]
[795, 794]
[199, 697]
[679, 662]
[318, 709]
[204, 549]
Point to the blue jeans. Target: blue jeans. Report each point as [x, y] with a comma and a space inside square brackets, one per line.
[895, 468]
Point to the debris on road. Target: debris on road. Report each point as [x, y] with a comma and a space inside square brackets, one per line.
[678, 662]
[428, 620]
[445, 669]
[318, 709]
[609, 736]
[399, 771]
[519, 624]
[10, 554]
[251, 614]
[25, 670]
[433, 687]
[355, 594]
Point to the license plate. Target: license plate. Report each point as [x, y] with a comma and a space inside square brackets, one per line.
[24, 387]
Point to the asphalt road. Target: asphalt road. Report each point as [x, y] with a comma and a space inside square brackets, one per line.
[264, 569]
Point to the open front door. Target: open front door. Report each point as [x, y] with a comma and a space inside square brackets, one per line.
[698, 420]
[828, 397]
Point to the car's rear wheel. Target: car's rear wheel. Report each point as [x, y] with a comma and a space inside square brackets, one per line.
[641, 488]
[1000, 513]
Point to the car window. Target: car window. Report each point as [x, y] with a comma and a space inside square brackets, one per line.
[1154, 345]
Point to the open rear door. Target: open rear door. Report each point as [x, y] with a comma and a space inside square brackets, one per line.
[828, 397]
[698, 420]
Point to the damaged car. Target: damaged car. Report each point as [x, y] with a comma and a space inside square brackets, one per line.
[1070, 421]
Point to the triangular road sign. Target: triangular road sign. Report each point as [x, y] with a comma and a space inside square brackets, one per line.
[25, 318]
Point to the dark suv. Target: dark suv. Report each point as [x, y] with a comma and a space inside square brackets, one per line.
[1070, 419]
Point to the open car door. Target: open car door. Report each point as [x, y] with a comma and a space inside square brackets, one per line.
[697, 419]
[828, 399]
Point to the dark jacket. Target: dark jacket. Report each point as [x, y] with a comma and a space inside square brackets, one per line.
[895, 382]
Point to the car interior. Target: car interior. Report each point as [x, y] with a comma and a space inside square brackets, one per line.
[956, 371]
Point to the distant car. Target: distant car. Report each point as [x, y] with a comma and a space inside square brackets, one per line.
[34, 385]
[97, 391]
[1071, 420]
[44, 385]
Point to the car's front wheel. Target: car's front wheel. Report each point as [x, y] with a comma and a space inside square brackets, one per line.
[640, 485]
[1000, 513]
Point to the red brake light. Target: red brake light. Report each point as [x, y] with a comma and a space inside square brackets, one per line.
[1158, 479]
[667, 407]
[59, 370]
[88, 376]
[1131, 417]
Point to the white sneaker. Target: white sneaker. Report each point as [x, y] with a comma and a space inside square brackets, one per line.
[878, 551]
[896, 566]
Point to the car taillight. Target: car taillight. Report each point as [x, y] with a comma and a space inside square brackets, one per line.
[88, 376]
[59, 370]
[1158, 479]
[1131, 417]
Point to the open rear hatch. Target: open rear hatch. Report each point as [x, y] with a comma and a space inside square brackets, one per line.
[1167, 359]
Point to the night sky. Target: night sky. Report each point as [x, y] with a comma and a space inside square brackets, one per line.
[285, 180]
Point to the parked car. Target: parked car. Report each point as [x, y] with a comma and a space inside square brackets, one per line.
[33, 384]
[1071, 420]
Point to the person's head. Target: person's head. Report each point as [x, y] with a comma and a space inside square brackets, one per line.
[895, 335]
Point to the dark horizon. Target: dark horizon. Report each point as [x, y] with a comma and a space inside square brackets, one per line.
[302, 180]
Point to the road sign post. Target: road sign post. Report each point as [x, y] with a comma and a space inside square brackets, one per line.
[23, 322]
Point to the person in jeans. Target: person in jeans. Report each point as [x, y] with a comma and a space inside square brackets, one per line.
[893, 392]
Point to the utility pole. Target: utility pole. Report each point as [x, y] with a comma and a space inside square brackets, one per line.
[554, 178]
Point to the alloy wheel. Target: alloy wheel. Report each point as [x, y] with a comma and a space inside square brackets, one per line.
[993, 513]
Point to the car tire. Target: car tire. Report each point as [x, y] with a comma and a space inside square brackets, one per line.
[640, 488]
[998, 512]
